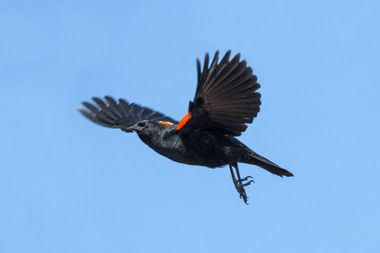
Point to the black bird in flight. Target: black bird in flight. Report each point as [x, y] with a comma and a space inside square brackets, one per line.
[226, 100]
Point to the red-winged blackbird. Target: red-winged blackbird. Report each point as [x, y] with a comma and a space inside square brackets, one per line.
[225, 100]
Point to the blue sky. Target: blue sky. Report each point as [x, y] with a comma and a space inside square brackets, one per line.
[68, 185]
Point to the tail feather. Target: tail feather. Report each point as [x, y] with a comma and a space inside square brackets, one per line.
[264, 163]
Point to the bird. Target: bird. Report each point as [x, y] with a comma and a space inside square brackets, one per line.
[225, 101]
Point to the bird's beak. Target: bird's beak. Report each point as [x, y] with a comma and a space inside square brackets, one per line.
[134, 128]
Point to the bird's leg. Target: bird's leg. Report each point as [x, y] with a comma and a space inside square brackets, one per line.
[240, 182]
[236, 183]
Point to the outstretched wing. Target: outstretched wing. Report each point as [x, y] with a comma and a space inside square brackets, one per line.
[121, 114]
[226, 98]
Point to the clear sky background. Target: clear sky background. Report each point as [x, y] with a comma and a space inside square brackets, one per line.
[68, 185]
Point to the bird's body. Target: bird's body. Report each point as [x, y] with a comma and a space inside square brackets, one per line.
[226, 100]
[202, 148]
[198, 148]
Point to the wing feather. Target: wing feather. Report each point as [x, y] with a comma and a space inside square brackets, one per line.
[119, 114]
[226, 97]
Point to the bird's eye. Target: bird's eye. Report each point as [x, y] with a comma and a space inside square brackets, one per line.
[141, 124]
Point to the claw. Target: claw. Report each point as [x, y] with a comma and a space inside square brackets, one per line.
[243, 195]
[246, 178]
[248, 183]
[239, 185]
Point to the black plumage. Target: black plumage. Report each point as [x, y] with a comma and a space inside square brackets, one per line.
[226, 100]
[120, 114]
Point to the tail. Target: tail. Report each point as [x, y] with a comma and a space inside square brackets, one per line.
[256, 159]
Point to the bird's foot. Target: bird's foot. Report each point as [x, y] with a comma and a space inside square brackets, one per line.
[240, 184]
[243, 194]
